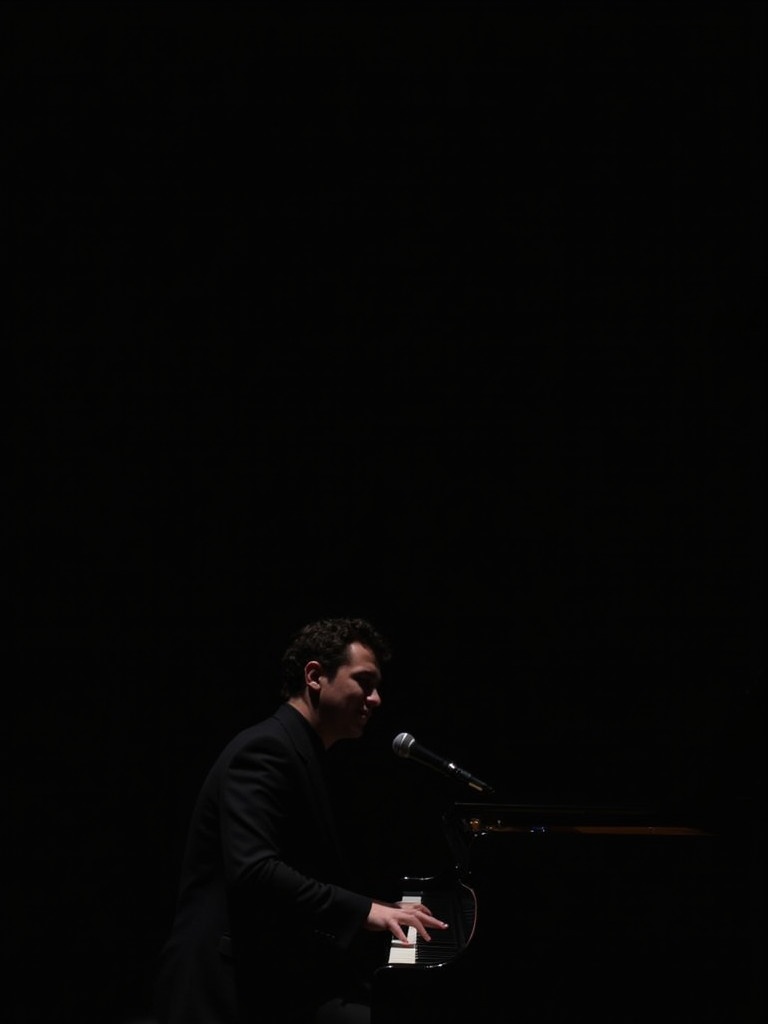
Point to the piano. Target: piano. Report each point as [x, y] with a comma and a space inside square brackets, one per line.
[571, 913]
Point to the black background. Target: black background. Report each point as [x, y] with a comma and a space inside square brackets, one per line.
[448, 315]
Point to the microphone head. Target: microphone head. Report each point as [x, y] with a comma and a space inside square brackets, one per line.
[402, 744]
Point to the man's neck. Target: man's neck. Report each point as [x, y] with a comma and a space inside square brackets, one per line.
[308, 712]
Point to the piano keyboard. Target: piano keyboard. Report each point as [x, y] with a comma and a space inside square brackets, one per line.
[459, 911]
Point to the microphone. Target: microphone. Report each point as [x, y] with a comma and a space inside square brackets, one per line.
[404, 745]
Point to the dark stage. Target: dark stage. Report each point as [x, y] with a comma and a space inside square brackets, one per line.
[449, 315]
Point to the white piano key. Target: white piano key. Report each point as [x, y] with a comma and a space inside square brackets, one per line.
[399, 952]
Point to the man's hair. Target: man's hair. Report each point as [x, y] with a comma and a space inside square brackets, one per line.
[327, 641]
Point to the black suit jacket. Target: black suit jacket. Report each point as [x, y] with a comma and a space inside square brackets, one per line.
[264, 925]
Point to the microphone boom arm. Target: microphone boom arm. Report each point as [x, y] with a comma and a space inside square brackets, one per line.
[404, 745]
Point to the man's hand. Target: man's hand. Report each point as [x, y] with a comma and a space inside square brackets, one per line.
[398, 917]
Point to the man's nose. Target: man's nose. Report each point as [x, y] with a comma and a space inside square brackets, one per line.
[373, 698]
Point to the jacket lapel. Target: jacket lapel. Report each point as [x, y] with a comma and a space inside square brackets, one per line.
[311, 756]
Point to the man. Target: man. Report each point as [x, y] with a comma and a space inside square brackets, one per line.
[266, 929]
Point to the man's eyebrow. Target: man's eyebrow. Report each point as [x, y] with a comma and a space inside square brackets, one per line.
[366, 673]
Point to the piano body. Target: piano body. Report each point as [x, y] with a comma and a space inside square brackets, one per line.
[577, 913]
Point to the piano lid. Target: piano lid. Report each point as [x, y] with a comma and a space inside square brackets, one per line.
[562, 818]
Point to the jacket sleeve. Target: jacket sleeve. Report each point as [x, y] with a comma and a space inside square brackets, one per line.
[275, 849]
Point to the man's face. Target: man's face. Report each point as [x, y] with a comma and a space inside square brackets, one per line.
[348, 699]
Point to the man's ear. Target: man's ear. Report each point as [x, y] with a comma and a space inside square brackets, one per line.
[312, 672]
